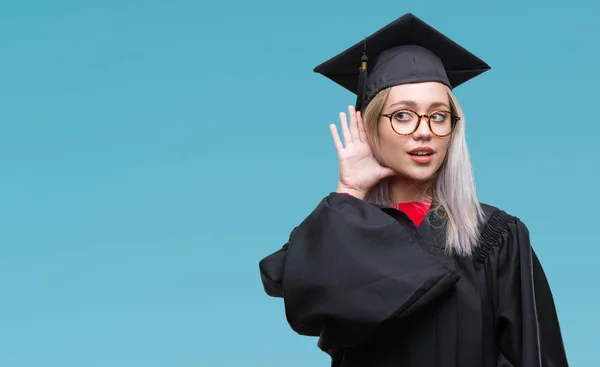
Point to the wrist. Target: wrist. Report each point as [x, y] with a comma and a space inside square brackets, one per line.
[347, 190]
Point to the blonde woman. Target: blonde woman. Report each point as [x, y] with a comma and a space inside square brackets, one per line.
[402, 265]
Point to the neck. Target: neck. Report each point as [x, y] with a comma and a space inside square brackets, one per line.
[404, 190]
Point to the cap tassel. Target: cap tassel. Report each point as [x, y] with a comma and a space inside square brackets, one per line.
[362, 80]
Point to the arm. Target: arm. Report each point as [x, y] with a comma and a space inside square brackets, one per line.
[347, 269]
[271, 267]
[271, 270]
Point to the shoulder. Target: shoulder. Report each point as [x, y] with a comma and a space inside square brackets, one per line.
[496, 221]
[500, 232]
[495, 213]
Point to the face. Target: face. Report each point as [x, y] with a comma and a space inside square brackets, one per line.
[401, 153]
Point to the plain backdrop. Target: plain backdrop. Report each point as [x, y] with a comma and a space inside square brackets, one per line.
[152, 152]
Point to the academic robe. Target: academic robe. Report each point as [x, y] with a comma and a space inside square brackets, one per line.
[379, 291]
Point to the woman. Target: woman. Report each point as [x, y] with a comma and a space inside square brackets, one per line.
[402, 266]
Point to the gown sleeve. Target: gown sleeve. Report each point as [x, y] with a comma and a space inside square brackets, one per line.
[348, 268]
[527, 324]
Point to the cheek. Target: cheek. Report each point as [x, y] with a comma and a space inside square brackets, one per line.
[442, 155]
[392, 145]
[443, 148]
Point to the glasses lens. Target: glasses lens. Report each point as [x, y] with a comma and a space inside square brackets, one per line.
[441, 123]
[404, 122]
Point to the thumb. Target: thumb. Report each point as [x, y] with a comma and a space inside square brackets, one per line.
[386, 172]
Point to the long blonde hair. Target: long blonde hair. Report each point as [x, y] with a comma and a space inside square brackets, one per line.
[452, 186]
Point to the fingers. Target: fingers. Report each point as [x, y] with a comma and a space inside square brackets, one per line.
[336, 138]
[362, 134]
[353, 124]
[345, 129]
[350, 133]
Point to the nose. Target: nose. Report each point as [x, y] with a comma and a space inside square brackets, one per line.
[422, 132]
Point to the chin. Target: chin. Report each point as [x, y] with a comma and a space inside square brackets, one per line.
[420, 176]
[417, 174]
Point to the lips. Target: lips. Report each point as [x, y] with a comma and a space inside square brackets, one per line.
[422, 155]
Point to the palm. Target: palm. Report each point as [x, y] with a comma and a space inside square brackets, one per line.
[358, 167]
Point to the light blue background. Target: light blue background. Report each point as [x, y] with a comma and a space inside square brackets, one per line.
[152, 152]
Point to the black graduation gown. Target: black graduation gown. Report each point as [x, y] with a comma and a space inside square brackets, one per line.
[378, 291]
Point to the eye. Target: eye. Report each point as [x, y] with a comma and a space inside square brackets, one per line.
[403, 116]
[439, 116]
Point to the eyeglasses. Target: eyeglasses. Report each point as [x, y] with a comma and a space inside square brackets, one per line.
[406, 122]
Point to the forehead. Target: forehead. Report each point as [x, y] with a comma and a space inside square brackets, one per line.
[422, 94]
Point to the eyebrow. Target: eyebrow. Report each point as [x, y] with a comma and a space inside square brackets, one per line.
[414, 104]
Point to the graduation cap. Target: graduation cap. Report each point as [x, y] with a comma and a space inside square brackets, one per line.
[408, 50]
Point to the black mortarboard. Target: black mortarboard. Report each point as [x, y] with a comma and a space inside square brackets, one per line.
[408, 50]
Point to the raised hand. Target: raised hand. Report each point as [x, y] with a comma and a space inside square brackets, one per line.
[358, 168]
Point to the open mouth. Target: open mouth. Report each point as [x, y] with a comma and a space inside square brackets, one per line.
[421, 154]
